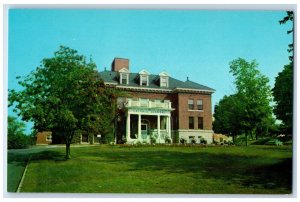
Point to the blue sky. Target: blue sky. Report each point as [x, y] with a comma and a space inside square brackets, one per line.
[185, 43]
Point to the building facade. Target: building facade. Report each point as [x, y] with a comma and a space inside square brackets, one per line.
[159, 108]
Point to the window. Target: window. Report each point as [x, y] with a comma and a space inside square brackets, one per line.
[124, 78]
[191, 122]
[163, 81]
[49, 138]
[163, 122]
[200, 122]
[199, 105]
[191, 104]
[144, 80]
[144, 77]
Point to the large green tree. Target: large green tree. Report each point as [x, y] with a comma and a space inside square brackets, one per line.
[227, 116]
[254, 94]
[62, 93]
[283, 88]
[283, 96]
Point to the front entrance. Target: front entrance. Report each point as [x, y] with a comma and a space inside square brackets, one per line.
[144, 130]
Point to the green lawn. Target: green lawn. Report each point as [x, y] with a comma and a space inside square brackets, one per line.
[162, 169]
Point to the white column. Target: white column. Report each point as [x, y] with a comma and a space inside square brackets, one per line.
[158, 128]
[169, 127]
[139, 128]
[128, 127]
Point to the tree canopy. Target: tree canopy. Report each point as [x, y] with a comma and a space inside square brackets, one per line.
[289, 18]
[283, 88]
[248, 110]
[227, 116]
[63, 94]
[283, 96]
[16, 138]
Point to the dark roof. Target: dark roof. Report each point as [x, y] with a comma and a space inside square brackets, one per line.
[112, 77]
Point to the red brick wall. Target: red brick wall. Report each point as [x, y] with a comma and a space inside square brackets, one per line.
[42, 137]
[181, 114]
[119, 63]
[184, 113]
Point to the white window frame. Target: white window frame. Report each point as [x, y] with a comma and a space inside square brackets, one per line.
[126, 77]
[164, 81]
[200, 103]
[191, 102]
[144, 78]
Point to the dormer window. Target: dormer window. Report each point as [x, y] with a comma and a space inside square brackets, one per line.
[124, 76]
[164, 79]
[144, 78]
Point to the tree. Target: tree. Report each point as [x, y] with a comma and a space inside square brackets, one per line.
[62, 93]
[283, 88]
[227, 116]
[16, 138]
[254, 96]
[283, 96]
[287, 18]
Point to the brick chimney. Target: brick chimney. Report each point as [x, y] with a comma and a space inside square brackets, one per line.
[119, 63]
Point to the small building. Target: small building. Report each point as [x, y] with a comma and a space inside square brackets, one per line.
[44, 138]
[159, 106]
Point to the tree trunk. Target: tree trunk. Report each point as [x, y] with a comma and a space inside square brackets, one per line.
[246, 135]
[68, 151]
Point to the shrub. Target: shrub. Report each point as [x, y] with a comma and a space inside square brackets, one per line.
[152, 140]
[167, 140]
[182, 141]
[203, 141]
[230, 143]
[138, 143]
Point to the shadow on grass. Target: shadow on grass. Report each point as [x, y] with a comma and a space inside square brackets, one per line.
[271, 176]
[22, 158]
[17, 162]
[247, 171]
[49, 155]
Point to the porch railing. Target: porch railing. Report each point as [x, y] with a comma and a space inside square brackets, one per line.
[166, 104]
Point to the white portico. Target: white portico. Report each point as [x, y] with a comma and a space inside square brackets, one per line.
[146, 119]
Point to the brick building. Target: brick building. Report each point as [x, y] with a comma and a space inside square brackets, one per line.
[43, 138]
[159, 106]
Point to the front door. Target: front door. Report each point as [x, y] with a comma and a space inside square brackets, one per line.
[144, 131]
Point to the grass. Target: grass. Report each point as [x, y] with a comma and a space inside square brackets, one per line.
[162, 169]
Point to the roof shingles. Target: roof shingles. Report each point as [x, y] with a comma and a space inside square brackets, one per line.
[112, 77]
